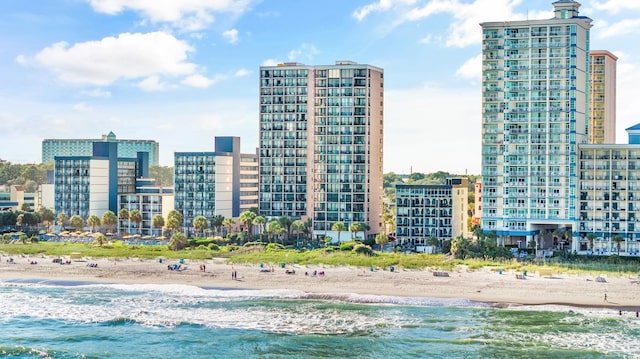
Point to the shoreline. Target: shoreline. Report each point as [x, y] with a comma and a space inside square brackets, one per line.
[483, 286]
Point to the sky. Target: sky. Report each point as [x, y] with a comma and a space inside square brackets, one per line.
[183, 72]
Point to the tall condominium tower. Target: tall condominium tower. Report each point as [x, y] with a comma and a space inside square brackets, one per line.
[321, 144]
[602, 97]
[534, 114]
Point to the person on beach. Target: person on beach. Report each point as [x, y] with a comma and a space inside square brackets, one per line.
[605, 297]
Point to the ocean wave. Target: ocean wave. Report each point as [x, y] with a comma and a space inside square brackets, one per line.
[185, 291]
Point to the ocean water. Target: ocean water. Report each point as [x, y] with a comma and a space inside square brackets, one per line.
[56, 319]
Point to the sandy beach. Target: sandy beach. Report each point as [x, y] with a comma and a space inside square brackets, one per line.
[485, 285]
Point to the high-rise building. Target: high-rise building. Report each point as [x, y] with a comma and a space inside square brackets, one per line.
[535, 113]
[424, 211]
[90, 185]
[602, 97]
[84, 147]
[223, 182]
[321, 144]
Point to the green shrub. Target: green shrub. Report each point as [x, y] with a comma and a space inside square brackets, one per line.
[273, 247]
[34, 239]
[348, 245]
[213, 247]
[364, 249]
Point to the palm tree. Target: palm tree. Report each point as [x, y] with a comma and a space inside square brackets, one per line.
[308, 228]
[93, 221]
[338, 227]
[354, 228]
[136, 217]
[157, 221]
[388, 219]
[172, 224]
[247, 218]
[123, 215]
[229, 223]
[591, 237]
[76, 222]
[62, 220]
[559, 234]
[46, 216]
[200, 224]
[298, 227]
[433, 241]
[177, 218]
[364, 227]
[382, 239]
[178, 241]
[217, 222]
[274, 228]
[260, 222]
[618, 239]
[109, 219]
[100, 239]
[286, 223]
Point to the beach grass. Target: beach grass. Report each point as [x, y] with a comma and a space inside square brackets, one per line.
[109, 251]
[326, 256]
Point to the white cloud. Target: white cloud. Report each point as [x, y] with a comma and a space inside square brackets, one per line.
[127, 56]
[189, 15]
[242, 73]
[271, 62]
[97, 93]
[427, 39]
[231, 36]
[381, 5]
[464, 29]
[624, 27]
[82, 107]
[153, 83]
[471, 69]
[304, 52]
[615, 6]
[21, 59]
[202, 82]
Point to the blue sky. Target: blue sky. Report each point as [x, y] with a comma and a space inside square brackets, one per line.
[183, 72]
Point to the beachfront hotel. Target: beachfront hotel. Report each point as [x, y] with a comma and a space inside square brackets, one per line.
[84, 147]
[321, 134]
[90, 185]
[602, 97]
[222, 182]
[610, 196]
[424, 211]
[534, 115]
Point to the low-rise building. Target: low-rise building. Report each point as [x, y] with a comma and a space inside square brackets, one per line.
[223, 182]
[609, 197]
[424, 210]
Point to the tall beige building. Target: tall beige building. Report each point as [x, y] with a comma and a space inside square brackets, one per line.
[321, 135]
[602, 97]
